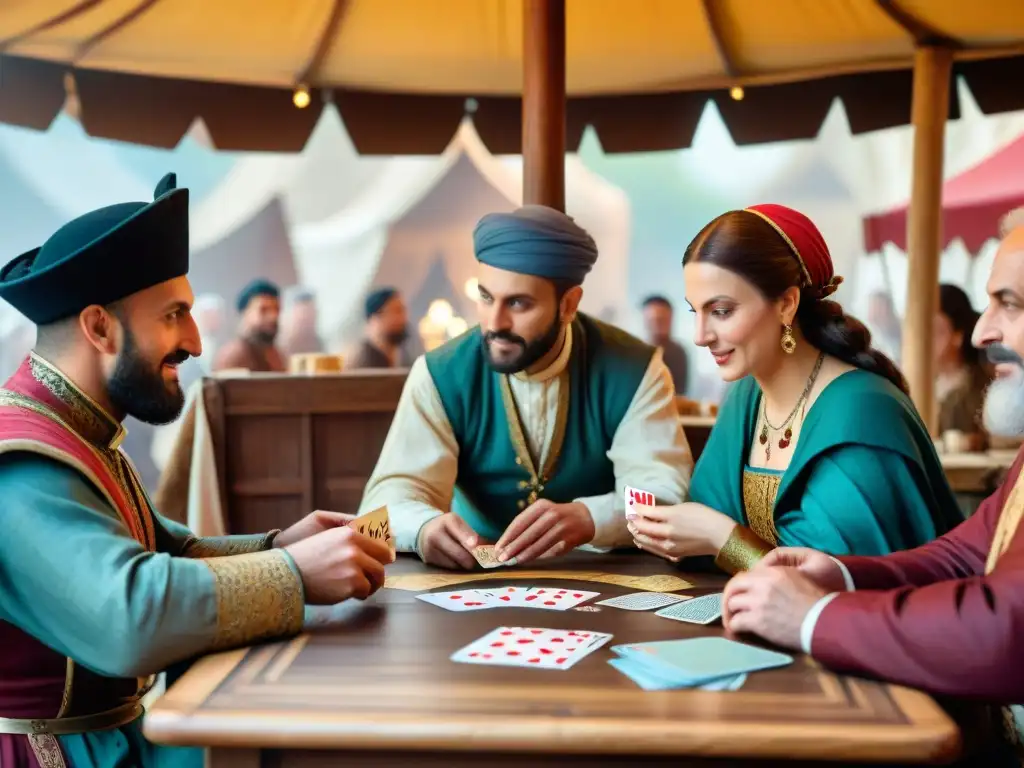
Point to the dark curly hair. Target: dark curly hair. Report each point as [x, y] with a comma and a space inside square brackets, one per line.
[746, 245]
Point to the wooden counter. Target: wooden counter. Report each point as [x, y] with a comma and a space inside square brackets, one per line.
[375, 687]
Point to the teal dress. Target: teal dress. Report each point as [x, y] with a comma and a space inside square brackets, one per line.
[864, 477]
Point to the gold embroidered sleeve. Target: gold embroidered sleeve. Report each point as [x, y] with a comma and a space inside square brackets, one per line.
[222, 546]
[742, 550]
[259, 596]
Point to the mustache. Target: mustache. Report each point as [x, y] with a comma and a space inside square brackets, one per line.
[504, 336]
[176, 358]
[1000, 353]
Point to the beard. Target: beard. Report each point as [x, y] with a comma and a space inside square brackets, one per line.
[265, 336]
[396, 338]
[530, 351]
[1003, 412]
[137, 388]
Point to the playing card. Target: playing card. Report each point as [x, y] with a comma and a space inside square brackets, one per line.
[700, 660]
[634, 496]
[486, 556]
[551, 599]
[460, 599]
[375, 525]
[643, 601]
[531, 647]
[513, 596]
[698, 610]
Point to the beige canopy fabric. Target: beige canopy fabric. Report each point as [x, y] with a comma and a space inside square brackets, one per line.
[166, 62]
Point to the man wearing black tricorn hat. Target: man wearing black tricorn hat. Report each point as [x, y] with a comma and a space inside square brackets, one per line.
[99, 592]
[523, 431]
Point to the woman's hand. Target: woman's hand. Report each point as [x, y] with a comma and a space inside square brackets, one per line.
[681, 530]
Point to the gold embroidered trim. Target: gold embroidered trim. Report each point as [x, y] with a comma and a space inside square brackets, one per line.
[1009, 520]
[259, 597]
[224, 546]
[790, 243]
[759, 492]
[69, 684]
[87, 417]
[524, 457]
[47, 750]
[742, 551]
[141, 526]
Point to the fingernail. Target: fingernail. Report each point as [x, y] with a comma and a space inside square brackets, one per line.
[502, 558]
[471, 541]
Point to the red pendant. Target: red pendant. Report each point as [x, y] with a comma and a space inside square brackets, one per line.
[786, 438]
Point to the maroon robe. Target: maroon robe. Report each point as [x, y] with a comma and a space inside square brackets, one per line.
[929, 618]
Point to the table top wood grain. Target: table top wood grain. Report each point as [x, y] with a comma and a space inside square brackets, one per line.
[377, 676]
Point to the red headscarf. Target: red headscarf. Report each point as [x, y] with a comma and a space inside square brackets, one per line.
[807, 245]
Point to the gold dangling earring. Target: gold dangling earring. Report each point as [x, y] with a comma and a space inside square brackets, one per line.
[788, 341]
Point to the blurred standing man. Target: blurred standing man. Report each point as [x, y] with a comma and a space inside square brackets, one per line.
[658, 316]
[259, 305]
[386, 331]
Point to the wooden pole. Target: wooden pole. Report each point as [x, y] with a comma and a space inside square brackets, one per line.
[544, 103]
[932, 71]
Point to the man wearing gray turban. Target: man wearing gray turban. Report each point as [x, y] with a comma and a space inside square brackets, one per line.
[524, 430]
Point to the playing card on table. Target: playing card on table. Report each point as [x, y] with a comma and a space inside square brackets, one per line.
[557, 599]
[375, 525]
[487, 557]
[531, 647]
[635, 496]
[643, 601]
[460, 599]
[698, 610]
[513, 596]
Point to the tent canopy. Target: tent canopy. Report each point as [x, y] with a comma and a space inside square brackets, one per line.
[639, 71]
[972, 203]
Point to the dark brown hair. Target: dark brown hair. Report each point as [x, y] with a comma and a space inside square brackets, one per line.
[746, 245]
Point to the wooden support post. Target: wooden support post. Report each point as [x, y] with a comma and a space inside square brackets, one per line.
[932, 71]
[544, 103]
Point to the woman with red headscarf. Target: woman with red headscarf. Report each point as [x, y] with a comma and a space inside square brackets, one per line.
[817, 443]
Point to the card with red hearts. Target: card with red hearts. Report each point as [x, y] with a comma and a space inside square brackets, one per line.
[460, 599]
[546, 598]
[634, 496]
[531, 647]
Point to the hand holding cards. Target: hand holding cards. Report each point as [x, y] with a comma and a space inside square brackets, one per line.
[339, 564]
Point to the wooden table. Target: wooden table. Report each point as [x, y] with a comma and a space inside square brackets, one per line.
[373, 687]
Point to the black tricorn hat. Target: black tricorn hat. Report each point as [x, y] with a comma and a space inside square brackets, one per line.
[101, 257]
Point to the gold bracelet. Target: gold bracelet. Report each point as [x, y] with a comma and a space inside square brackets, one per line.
[742, 550]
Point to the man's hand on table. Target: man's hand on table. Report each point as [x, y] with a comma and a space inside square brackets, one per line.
[312, 524]
[771, 602]
[815, 565]
[447, 541]
[545, 529]
[338, 564]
